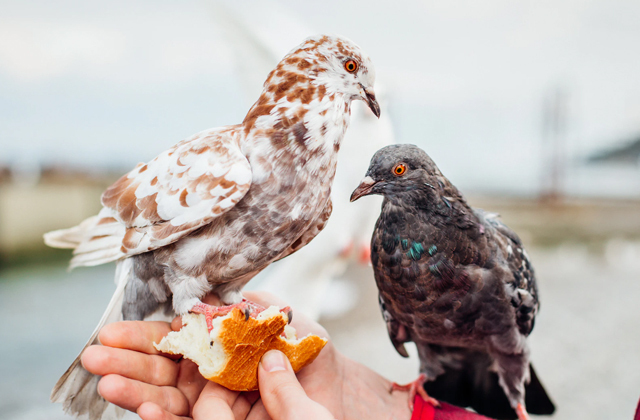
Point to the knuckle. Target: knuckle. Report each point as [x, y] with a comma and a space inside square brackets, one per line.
[175, 402]
[282, 390]
[160, 372]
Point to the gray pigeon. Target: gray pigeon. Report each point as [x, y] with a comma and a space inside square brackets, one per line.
[458, 283]
[213, 211]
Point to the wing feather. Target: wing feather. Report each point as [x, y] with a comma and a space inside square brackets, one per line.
[524, 289]
[179, 191]
[397, 331]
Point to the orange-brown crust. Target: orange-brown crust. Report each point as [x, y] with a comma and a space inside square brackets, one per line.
[246, 341]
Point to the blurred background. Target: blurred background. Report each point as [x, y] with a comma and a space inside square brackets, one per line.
[531, 108]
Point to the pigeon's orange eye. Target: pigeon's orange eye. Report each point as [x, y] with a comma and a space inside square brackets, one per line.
[399, 169]
[351, 66]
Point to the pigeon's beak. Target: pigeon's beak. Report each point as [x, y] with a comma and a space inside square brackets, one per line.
[370, 99]
[365, 187]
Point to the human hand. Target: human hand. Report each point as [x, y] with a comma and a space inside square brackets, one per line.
[157, 392]
[282, 394]
[282, 398]
[134, 372]
[136, 377]
[217, 402]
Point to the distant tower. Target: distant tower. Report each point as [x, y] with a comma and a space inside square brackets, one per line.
[554, 133]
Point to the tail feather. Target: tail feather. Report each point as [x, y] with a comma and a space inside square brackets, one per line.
[77, 388]
[475, 385]
[98, 243]
[96, 251]
[93, 259]
[536, 398]
[95, 241]
[69, 238]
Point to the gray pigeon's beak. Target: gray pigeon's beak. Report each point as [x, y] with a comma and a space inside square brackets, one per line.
[365, 187]
[371, 101]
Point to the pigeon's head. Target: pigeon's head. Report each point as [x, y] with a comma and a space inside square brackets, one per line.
[334, 65]
[400, 170]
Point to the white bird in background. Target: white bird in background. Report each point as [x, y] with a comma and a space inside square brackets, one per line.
[259, 32]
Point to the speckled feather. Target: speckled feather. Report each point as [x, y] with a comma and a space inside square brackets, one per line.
[211, 212]
[452, 279]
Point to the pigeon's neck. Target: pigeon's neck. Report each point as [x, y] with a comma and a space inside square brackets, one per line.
[436, 224]
[310, 126]
[325, 114]
[441, 203]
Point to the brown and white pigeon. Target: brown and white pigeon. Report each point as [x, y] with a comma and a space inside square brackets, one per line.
[325, 263]
[217, 208]
[458, 283]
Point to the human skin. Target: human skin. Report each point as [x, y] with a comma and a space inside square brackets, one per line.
[137, 377]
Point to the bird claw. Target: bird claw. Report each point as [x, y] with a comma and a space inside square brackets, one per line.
[248, 308]
[209, 311]
[416, 387]
[288, 312]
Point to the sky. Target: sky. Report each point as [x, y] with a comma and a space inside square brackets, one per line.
[109, 84]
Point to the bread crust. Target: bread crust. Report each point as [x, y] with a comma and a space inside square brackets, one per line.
[244, 343]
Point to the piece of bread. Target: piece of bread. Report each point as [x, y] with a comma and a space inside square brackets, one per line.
[230, 354]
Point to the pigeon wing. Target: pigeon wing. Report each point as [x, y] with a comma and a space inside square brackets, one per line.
[179, 191]
[397, 332]
[524, 290]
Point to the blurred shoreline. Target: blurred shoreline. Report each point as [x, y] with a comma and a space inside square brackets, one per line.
[34, 204]
[60, 200]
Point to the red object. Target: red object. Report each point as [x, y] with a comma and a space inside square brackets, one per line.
[425, 411]
[637, 416]
[364, 256]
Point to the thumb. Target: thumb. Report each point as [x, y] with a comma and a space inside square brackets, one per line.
[282, 394]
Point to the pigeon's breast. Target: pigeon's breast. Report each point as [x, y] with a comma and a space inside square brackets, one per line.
[427, 288]
[274, 213]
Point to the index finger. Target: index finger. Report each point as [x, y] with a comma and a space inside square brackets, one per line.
[135, 335]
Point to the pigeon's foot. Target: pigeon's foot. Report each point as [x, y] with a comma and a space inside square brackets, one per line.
[209, 311]
[250, 309]
[522, 412]
[416, 387]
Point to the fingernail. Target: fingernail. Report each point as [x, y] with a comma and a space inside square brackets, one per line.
[274, 361]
